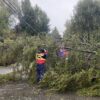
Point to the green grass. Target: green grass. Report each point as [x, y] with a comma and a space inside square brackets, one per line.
[7, 78]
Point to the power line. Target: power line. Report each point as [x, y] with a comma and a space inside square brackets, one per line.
[1, 3]
[13, 6]
[16, 10]
[13, 9]
[19, 12]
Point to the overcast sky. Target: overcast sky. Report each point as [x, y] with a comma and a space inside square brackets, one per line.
[58, 11]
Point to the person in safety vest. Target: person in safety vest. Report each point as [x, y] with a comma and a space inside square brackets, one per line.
[41, 56]
[63, 53]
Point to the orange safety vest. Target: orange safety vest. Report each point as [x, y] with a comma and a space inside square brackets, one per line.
[40, 59]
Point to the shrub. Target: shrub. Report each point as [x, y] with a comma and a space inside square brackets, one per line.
[91, 91]
[69, 82]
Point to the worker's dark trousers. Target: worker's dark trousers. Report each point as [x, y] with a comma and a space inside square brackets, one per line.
[40, 71]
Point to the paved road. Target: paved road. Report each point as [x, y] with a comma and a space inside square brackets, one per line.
[23, 91]
[5, 70]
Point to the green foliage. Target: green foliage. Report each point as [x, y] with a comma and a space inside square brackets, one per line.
[81, 60]
[32, 73]
[34, 20]
[91, 91]
[41, 21]
[10, 51]
[79, 72]
[56, 36]
[28, 53]
[49, 79]
[86, 20]
[67, 82]
[71, 75]
[4, 20]
[7, 78]
[88, 11]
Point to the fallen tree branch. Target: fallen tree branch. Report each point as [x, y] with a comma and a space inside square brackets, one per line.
[86, 51]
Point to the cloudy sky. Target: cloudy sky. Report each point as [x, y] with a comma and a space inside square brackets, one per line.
[58, 11]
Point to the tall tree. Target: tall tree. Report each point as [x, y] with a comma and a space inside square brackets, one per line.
[42, 21]
[34, 20]
[4, 19]
[27, 21]
[86, 19]
[55, 35]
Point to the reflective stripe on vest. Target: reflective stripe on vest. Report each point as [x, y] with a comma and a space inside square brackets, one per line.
[40, 59]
